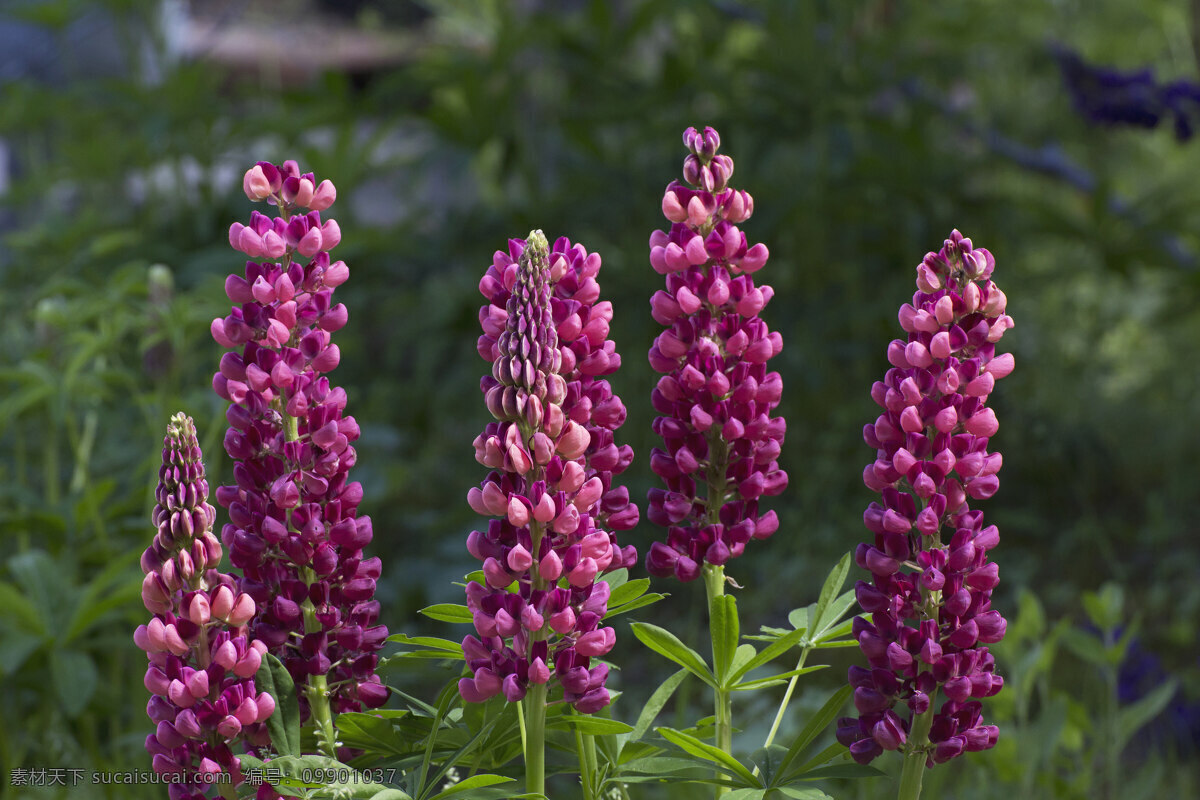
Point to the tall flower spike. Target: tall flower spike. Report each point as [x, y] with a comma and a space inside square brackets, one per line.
[202, 662]
[550, 491]
[716, 395]
[294, 527]
[929, 600]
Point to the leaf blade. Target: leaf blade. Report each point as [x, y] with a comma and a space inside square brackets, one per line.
[668, 645]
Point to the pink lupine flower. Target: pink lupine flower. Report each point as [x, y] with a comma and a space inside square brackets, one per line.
[930, 600]
[202, 660]
[294, 527]
[716, 395]
[550, 493]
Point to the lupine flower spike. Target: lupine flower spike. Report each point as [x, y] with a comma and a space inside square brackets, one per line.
[202, 661]
[554, 509]
[294, 527]
[929, 599]
[716, 395]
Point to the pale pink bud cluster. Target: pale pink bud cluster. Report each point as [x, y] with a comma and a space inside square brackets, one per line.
[716, 395]
[294, 528]
[553, 458]
[930, 600]
[202, 663]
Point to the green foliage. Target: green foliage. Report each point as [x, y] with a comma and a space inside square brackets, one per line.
[284, 723]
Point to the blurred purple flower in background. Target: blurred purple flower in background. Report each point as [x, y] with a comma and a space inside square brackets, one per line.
[1108, 96]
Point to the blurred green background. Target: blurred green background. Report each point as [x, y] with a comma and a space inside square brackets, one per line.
[865, 131]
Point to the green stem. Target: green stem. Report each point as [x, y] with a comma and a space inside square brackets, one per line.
[317, 691]
[291, 427]
[1112, 754]
[521, 724]
[535, 713]
[914, 756]
[787, 698]
[585, 747]
[714, 583]
[535, 739]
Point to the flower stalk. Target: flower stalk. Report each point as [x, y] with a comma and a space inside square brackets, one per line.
[294, 527]
[716, 395]
[552, 506]
[930, 600]
[202, 660]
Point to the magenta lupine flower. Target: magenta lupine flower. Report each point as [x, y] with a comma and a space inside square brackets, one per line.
[202, 661]
[930, 600]
[716, 395]
[294, 527]
[553, 458]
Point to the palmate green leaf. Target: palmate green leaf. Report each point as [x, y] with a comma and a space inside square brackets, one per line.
[477, 576]
[848, 770]
[249, 762]
[767, 760]
[775, 680]
[323, 775]
[833, 615]
[629, 591]
[585, 723]
[374, 732]
[829, 592]
[1105, 607]
[1086, 646]
[844, 628]
[284, 723]
[467, 785]
[418, 706]
[448, 612]
[427, 641]
[445, 701]
[115, 587]
[75, 679]
[801, 793]
[771, 651]
[458, 755]
[648, 599]
[22, 612]
[42, 582]
[746, 794]
[743, 655]
[15, 648]
[667, 644]
[652, 709]
[766, 633]
[1131, 718]
[835, 644]
[708, 752]
[395, 659]
[615, 579]
[657, 767]
[820, 759]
